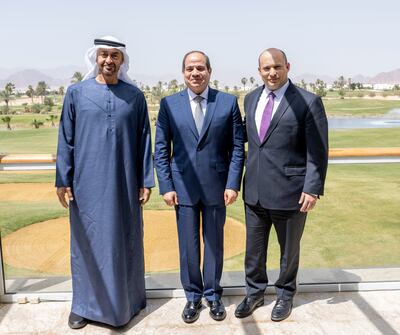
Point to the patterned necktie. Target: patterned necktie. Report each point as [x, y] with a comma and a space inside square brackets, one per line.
[198, 113]
[266, 118]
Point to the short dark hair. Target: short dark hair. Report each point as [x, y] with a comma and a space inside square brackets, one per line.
[281, 51]
[208, 64]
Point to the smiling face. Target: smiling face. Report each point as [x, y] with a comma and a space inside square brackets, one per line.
[196, 73]
[273, 68]
[109, 62]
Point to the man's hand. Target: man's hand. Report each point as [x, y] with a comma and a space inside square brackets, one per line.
[230, 196]
[170, 198]
[61, 192]
[144, 195]
[307, 201]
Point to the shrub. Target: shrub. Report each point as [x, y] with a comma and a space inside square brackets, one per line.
[4, 110]
[48, 102]
[36, 108]
[37, 123]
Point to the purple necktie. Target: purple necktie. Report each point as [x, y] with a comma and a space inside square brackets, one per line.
[266, 118]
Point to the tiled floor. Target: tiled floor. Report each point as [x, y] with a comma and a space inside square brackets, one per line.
[353, 313]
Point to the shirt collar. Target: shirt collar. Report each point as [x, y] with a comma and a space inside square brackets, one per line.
[193, 95]
[279, 92]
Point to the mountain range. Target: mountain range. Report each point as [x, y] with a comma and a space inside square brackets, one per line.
[390, 77]
[61, 76]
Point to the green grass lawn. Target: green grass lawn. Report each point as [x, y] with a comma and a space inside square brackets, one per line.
[15, 215]
[25, 139]
[24, 121]
[44, 140]
[7, 177]
[364, 138]
[356, 224]
[359, 107]
[31, 141]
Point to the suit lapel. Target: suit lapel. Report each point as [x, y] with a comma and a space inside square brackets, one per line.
[187, 112]
[283, 106]
[252, 113]
[211, 104]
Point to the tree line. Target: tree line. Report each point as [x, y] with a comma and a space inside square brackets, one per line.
[155, 93]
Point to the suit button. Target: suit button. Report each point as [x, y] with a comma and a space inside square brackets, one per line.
[198, 149]
[260, 149]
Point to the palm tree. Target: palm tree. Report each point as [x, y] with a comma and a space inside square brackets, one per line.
[76, 77]
[41, 89]
[244, 82]
[173, 86]
[52, 118]
[61, 91]
[10, 87]
[252, 80]
[30, 92]
[7, 93]
[36, 123]
[320, 88]
[7, 121]
[216, 83]
[156, 92]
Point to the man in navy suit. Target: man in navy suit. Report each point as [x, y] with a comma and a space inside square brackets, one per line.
[200, 175]
[286, 166]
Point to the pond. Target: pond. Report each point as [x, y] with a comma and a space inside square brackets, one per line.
[390, 120]
[354, 123]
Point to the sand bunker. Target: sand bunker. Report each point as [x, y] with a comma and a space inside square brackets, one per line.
[44, 246]
[25, 192]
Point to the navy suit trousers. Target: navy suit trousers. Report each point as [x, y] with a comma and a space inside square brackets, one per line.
[195, 282]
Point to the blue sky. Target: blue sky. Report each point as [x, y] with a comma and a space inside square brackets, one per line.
[333, 38]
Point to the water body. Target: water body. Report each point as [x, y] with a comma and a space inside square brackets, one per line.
[354, 123]
[387, 121]
[395, 111]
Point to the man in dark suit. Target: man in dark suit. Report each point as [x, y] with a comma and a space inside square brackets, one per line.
[286, 166]
[200, 176]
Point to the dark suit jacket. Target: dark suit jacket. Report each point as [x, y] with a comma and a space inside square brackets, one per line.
[199, 167]
[293, 157]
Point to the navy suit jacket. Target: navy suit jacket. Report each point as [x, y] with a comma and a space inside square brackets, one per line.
[199, 167]
[293, 157]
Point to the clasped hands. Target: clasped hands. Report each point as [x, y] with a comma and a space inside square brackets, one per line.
[65, 193]
[171, 198]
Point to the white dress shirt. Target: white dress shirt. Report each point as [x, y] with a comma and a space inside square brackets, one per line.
[193, 103]
[262, 102]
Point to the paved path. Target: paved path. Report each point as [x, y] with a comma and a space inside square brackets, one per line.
[350, 313]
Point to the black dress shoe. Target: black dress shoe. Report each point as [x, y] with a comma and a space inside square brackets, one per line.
[76, 322]
[281, 310]
[248, 305]
[191, 312]
[217, 310]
